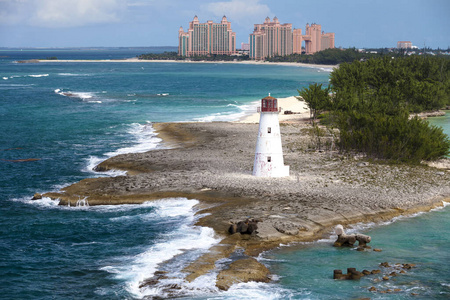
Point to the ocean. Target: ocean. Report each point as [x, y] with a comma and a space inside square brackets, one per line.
[58, 120]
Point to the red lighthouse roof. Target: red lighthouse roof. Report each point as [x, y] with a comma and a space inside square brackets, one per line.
[269, 104]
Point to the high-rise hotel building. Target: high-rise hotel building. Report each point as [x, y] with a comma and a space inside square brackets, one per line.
[271, 39]
[275, 39]
[207, 38]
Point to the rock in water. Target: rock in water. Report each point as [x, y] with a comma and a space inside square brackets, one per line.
[36, 196]
[350, 239]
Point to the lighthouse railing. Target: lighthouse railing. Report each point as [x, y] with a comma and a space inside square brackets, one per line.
[258, 109]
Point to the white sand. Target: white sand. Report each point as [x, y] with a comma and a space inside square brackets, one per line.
[292, 104]
[247, 62]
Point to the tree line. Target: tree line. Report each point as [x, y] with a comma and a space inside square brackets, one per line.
[370, 102]
[334, 56]
[175, 56]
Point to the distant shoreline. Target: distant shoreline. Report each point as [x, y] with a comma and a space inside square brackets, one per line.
[134, 60]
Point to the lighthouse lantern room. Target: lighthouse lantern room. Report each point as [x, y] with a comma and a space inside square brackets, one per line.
[269, 160]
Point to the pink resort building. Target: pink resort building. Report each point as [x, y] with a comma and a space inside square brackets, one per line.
[272, 39]
[207, 38]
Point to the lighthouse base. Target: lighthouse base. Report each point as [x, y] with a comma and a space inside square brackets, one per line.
[273, 167]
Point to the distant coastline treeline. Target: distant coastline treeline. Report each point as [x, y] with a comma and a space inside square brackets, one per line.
[175, 56]
[333, 56]
[371, 103]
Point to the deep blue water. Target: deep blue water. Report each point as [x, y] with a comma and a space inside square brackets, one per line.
[81, 53]
[70, 116]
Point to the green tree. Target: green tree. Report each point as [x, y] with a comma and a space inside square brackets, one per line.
[373, 100]
[317, 99]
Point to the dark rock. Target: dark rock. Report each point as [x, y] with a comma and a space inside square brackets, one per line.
[408, 266]
[244, 227]
[232, 229]
[337, 274]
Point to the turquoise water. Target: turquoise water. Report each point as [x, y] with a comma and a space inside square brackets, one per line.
[306, 270]
[443, 122]
[71, 116]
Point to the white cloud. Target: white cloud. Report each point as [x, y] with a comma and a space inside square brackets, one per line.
[61, 13]
[243, 12]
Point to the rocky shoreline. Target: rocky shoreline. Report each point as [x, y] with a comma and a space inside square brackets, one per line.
[212, 162]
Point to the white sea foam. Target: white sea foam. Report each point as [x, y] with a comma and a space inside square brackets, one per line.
[38, 75]
[184, 239]
[5, 78]
[326, 69]
[256, 290]
[179, 246]
[245, 109]
[93, 161]
[72, 74]
[45, 202]
[81, 95]
[143, 137]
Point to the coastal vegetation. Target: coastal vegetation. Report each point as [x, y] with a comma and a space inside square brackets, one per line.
[175, 56]
[325, 57]
[166, 55]
[371, 103]
[334, 56]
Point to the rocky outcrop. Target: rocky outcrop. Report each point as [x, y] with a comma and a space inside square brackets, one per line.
[243, 270]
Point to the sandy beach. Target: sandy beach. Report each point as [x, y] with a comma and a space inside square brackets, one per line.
[136, 60]
[212, 162]
[297, 108]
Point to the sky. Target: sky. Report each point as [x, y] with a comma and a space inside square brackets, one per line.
[145, 23]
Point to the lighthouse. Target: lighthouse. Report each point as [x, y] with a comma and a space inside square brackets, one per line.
[269, 160]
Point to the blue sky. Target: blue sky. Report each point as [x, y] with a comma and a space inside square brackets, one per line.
[129, 23]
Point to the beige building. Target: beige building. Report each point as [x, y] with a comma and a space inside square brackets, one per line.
[404, 45]
[207, 38]
[272, 39]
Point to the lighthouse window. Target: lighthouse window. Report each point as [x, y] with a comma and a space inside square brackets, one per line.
[269, 129]
[269, 158]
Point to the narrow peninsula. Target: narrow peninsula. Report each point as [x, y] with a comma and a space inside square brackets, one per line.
[212, 162]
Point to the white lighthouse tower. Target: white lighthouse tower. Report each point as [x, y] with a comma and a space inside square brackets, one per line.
[269, 160]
